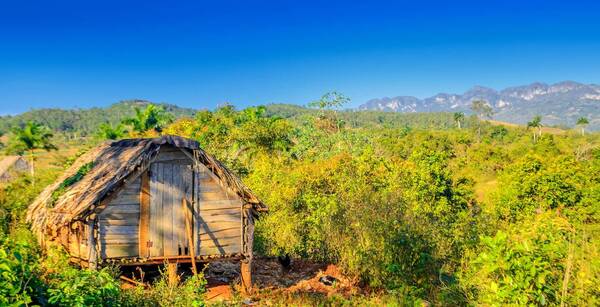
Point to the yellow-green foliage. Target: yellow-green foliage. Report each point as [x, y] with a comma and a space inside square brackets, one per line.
[445, 215]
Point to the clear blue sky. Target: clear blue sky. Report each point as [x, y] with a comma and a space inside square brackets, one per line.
[200, 54]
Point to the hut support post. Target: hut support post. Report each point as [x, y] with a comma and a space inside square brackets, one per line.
[172, 273]
[93, 253]
[247, 243]
[246, 273]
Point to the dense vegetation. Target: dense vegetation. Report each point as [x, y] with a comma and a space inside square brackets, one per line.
[83, 122]
[411, 205]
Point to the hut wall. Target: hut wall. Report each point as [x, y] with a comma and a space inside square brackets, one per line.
[217, 216]
[219, 223]
[118, 223]
[77, 241]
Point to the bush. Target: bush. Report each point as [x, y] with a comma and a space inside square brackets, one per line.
[70, 286]
[188, 293]
[19, 283]
[521, 266]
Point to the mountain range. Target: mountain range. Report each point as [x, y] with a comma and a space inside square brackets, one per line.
[559, 104]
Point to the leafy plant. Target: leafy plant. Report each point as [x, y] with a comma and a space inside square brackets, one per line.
[82, 171]
[153, 117]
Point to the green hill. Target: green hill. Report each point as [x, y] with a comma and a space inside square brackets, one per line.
[83, 122]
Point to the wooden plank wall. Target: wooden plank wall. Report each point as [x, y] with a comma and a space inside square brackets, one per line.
[170, 180]
[219, 222]
[118, 223]
[217, 225]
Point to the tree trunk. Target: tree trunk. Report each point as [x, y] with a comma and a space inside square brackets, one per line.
[458, 122]
[582, 131]
[32, 167]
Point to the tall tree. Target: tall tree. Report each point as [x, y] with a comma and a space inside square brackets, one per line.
[458, 118]
[483, 110]
[582, 122]
[152, 118]
[33, 136]
[328, 105]
[536, 123]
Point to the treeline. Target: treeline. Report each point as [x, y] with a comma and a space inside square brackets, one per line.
[84, 122]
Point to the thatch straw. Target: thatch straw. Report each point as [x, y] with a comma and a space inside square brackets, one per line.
[10, 162]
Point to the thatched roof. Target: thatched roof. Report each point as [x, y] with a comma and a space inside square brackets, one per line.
[8, 162]
[111, 163]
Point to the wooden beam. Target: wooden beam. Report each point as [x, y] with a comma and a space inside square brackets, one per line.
[172, 273]
[144, 215]
[93, 253]
[246, 274]
[188, 210]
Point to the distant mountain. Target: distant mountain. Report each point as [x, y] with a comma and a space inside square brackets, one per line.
[559, 104]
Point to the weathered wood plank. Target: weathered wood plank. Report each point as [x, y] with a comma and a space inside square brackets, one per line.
[177, 218]
[220, 204]
[222, 211]
[144, 220]
[167, 203]
[105, 229]
[196, 219]
[125, 198]
[209, 226]
[221, 218]
[124, 208]
[188, 211]
[119, 241]
[223, 232]
[119, 250]
[164, 156]
[132, 221]
[219, 250]
[210, 240]
[106, 216]
[220, 195]
[155, 213]
[119, 237]
[211, 186]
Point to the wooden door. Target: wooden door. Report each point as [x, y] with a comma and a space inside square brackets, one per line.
[170, 183]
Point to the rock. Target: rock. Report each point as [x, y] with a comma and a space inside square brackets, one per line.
[327, 280]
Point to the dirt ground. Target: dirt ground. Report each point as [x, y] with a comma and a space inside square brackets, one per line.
[272, 279]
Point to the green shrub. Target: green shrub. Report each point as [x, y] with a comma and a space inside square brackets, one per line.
[19, 283]
[190, 292]
[521, 266]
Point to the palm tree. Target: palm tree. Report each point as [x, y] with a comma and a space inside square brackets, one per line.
[458, 118]
[482, 109]
[153, 117]
[33, 136]
[536, 122]
[582, 122]
[108, 132]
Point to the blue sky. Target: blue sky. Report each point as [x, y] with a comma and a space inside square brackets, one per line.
[200, 54]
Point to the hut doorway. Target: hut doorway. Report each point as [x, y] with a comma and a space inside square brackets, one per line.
[170, 184]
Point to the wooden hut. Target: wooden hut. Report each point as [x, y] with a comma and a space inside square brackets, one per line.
[145, 201]
[12, 164]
